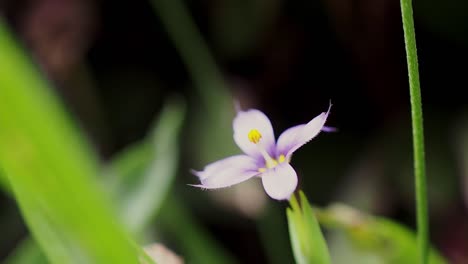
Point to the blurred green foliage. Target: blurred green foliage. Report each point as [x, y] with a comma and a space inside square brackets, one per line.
[308, 243]
[52, 171]
[27, 252]
[53, 174]
[214, 106]
[387, 241]
[141, 176]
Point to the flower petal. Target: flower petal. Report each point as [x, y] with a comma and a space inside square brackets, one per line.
[244, 122]
[295, 137]
[280, 181]
[288, 139]
[227, 172]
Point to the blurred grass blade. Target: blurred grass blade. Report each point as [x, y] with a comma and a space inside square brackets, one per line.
[392, 242]
[193, 50]
[214, 110]
[142, 177]
[50, 169]
[28, 252]
[195, 244]
[143, 173]
[308, 243]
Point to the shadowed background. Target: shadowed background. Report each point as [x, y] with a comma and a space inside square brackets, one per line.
[114, 64]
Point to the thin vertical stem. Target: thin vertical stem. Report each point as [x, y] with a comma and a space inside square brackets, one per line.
[418, 133]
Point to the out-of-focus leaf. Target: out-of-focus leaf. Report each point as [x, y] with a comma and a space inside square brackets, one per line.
[152, 163]
[51, 168]
[28, 252]
[308, 243]
[391, 242]
[4, 185]
[212, 137]
[195, 244]
[238, 26]
[142, 174]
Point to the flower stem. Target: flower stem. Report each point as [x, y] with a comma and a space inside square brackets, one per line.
[418, 133]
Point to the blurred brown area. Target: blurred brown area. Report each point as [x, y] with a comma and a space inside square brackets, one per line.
[113, 64]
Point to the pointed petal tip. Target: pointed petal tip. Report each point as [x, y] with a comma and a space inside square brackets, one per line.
[196, 185]
[295, 137]
[329, 129]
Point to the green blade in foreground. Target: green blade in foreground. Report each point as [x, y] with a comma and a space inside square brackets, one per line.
[51, 170]
[27, 252]
[308, 243]
[143, 174]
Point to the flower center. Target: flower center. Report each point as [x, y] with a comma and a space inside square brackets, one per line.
[255, 136]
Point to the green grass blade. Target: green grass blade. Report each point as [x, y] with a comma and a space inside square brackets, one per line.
[143, 173]
[308, 243]
[28, 252]
[214, 109]
[152, 163]
[193, 50]
[52, 171]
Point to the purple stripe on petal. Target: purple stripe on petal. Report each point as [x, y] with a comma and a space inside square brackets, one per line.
[244, 122]
[280, 181]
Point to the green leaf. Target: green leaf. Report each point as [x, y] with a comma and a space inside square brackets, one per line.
[390, 241]
[26, 253]
[52, 170]
[142, 174]
[308, 243]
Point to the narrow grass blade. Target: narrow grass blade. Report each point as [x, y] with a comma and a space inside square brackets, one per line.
[142, 174]
[27, 252]
[52, 170]
[308, 243]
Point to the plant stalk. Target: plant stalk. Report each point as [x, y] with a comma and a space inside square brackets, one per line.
[418, 133]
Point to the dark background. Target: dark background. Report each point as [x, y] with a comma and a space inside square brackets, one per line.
[114, 65]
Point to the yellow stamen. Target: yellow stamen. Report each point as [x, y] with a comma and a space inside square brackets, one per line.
[281, 158]
[254, 136]
[271, 163]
